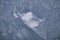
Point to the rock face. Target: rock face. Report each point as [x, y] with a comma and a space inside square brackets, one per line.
[29, 19]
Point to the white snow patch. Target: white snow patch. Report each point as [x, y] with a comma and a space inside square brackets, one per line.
[32, 24]
[30, 19]
[27, 17]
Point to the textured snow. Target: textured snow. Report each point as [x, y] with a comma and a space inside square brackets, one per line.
[27, 17]
[32, 24]
[31, 20]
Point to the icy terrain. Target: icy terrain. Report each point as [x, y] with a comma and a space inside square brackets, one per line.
[29, 19]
